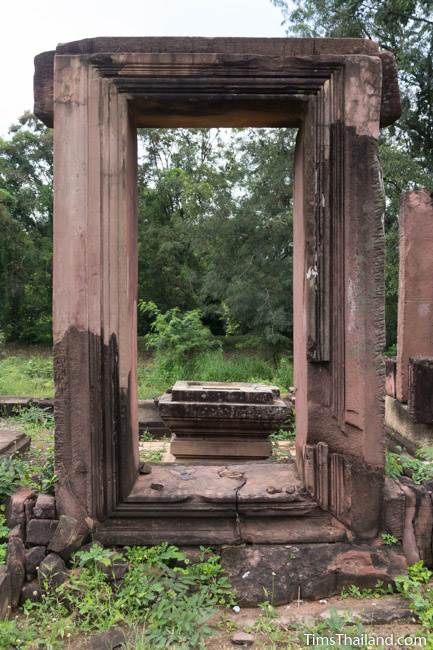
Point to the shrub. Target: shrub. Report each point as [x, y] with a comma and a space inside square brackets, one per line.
[176, 338]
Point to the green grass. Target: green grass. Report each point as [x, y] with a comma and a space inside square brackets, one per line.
[26, 372]
[26, 375]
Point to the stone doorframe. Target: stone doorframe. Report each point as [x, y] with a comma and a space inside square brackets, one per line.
[338, 92]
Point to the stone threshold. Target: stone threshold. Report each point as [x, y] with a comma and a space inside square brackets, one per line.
[256, 502]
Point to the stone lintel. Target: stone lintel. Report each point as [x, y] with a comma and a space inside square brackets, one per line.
[172, 46]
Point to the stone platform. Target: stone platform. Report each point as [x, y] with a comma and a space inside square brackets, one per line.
[223, 421]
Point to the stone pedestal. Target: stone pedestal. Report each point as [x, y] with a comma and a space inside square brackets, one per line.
[222, 421]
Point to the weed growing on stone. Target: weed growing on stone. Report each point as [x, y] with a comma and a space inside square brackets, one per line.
[380, 589]
[389, 539]
[167, 600]
[397, 465]
[151, 455]
[416, 587]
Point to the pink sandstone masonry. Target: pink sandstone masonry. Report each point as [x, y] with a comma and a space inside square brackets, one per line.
[338, 93]
[415, 301]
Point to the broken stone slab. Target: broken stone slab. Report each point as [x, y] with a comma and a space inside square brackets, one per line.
[233, 488]
[45, 507]
[15, 566]
[9, 404]
[69, 535]
[52, 572]
[306, 571]
[40, 531]
[13, 442]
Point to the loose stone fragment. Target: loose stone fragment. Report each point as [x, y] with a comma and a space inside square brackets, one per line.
[230, 473]
[68, 536]
[157, 486]
[271, 489]
[243, 638]
[45, 507]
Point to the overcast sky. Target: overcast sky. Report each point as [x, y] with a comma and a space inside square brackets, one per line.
[32, 26]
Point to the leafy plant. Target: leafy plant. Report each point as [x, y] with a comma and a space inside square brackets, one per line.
[393, 465]
[282, 434]
[418, 591]
[10, 476]
[389, 539]
[380, 589]
[397, 465]
[166, 599]
[175, 336]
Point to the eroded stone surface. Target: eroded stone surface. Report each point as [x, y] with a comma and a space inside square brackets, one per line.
[40, 531]
[222, 420]
[34, 557]
[45, 507]
[68, 536]
[52, 572]
[15, 566]
[310, 571]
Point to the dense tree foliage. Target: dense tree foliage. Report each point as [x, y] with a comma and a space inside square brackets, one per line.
[214, 229]
[25, 226]
[406, 28]
[215, 214]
